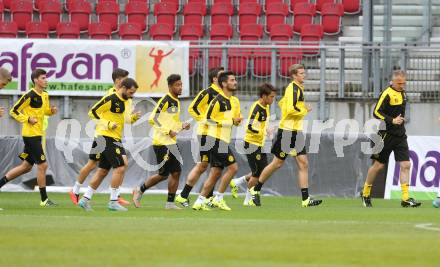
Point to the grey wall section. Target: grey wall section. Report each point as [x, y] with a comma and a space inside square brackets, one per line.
[329, 175]
[423, 117]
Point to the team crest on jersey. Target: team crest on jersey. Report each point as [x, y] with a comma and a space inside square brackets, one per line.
[282, 154]
[98, 155]
[173, 109]
[118, 109]
[258, 156]
[118, 151]
[43, 157]
[231, 158]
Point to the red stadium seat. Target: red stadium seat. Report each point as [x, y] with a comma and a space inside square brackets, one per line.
[270, 2]
[251, 32]
[130, 31]
[294, 2]
[276, 14]
[238, 61]
[352, 6]
[100, 31]
[165, 13]
[221, 13]
[50, 11]
[68, 30]
[288, 57]
[176, 4]
[108, 12]
[37, 4]
[8, 29]
[281, 32]
[21, 13]
[68, 3]
[37, 29]
[320, 3]
[193, 13]
[137, 12]
[161, 31]
[223, 2]
[311, 34]
[221, 32]
[331, 18]
[262, 62]
[7, 4]
[79, 13]
[248, 13]
[191, 32]
[247, 1]
[303, 13]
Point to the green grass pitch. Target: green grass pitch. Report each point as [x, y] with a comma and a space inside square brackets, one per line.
[338, 233]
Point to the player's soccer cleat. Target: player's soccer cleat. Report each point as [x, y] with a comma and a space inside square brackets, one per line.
[255, 200]
[221, 204]
[74, 197]
[171, 206]
[115, 206]
[436, 203]
[310, 202]
[123, 202]
[48, 203]
[85, 204]
[137, 196]
[410, 202]
[182, 201]
[234, 189]
[366, 201]
[200, 206]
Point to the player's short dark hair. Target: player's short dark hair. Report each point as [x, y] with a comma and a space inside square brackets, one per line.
[213, 73]
[37, 73]
[129, 83]
[173, 78]
[293, 70]
[223, 77]
[266, 89]
[119, 73]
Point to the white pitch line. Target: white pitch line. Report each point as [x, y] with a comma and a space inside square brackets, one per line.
[427, 226]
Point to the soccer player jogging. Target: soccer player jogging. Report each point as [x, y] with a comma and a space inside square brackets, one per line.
[30, 110]
[118, 76]
[293, 111]
[223, 113]
[166, 124]
[111, 113]
[197, 109]
[390, 108]
[254, 139]
[5, 78]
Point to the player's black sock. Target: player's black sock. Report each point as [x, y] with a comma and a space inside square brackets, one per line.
[305, 193]
[3, 181]
[210, 193]
[171, 197]
[186, 190]
[43, 193]
[143, 188]
[258, 186]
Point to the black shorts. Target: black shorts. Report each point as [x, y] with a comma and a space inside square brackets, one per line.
[96, 151]
[286, 143]
[204, 149]
[392, 143]
[111, 157]
[256, 159]
[166, 156]
[221, 154]
[33, 151]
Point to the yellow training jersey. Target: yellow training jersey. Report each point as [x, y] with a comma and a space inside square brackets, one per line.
[32, 104]
[199, 106]
[164, 118]
[257, 124]
[293, 108]
[219, 116]
[391, 103]
[111, 91]
[111, 109]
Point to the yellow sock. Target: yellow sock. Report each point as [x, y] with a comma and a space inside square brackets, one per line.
[367, 190]
[405, 191]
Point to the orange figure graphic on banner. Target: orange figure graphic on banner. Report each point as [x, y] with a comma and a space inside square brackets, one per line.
[156, 68]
